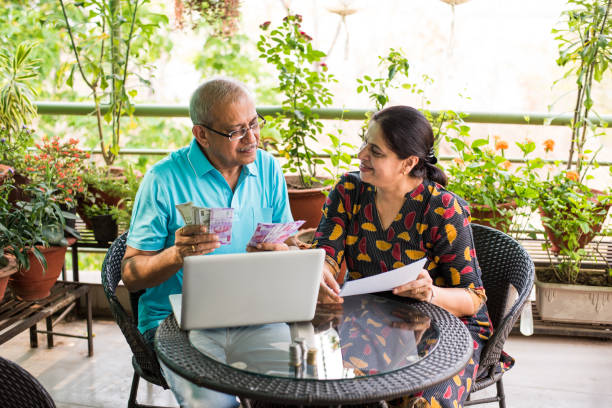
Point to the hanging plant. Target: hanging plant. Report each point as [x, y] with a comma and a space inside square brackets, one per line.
[221, 15]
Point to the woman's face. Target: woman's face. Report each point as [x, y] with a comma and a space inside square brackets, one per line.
[380, 166]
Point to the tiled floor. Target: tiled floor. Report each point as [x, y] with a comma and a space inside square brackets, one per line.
[555, 372]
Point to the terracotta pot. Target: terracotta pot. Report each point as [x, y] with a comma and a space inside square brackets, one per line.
[306, 204]
[35, 283]
[558, 241]
[485, 215]
[5, 274]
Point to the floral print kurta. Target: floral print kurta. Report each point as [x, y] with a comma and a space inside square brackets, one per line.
[432, 223]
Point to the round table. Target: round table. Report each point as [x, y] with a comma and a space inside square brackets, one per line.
[410, 361]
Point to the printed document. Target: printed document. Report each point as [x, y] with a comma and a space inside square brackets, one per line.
[383, 281]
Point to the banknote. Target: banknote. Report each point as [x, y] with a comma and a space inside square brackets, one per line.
[217, 220]
[274, 233]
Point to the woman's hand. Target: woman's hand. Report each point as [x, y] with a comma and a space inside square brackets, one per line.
[194, 240]
[422, 288]
[329, 288]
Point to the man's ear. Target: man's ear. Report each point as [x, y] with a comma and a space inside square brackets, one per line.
[201, 135]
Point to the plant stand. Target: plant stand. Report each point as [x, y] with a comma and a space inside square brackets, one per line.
[18, 315]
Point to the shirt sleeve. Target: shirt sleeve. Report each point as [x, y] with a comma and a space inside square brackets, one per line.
[452, 244]
[149, 223]
[332, 230]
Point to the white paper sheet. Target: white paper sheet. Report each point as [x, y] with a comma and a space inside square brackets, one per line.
[383, 281]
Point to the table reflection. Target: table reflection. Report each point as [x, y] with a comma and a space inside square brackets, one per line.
[367, 335]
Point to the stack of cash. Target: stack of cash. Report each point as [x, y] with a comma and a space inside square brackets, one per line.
[274, 233]
[217, 220]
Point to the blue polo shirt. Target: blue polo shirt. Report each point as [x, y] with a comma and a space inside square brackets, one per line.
[187, 175]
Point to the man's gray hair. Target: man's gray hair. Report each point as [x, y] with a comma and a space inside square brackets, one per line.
[212, 92]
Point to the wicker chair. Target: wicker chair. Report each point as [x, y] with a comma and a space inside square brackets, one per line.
[19, 389]
[144, 360]
[507, 276]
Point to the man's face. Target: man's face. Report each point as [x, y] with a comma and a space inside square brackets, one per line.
[227, 117]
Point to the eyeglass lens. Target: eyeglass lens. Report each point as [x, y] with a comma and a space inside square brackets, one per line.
[240, 133]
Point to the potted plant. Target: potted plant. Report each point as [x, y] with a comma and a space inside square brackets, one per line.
[572, 212]
[60, 165]
[42, 214]
[109, 191]
[17, 110]
[303, 81]
[481, 175]
[18, 236]
[103, 223]
[104, 48]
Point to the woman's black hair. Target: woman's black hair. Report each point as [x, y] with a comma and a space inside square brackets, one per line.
[408, 133]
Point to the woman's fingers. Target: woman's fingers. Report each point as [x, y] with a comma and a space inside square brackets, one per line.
[329, 289]
[329, 279]
[420, 288]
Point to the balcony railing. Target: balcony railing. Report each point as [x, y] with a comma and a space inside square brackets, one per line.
[178, 111]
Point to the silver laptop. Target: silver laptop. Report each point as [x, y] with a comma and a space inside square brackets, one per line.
[250, 288]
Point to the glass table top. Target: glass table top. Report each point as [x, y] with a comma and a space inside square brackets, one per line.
[367, 335]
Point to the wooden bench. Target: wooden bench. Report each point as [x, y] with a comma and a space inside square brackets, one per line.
[17, 315]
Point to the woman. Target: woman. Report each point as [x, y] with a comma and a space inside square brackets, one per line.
[394, 211]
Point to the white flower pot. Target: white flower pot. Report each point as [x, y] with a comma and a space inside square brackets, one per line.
[574, 303]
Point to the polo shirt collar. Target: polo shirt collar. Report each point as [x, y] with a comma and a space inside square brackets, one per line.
[201, 165]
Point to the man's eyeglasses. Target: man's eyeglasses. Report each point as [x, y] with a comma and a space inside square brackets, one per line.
[240, 133]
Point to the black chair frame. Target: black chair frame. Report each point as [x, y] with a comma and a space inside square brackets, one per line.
[144, 359]
[504, 264]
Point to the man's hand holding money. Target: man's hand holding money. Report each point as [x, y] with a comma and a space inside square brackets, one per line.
[274, 237]
[195, 240]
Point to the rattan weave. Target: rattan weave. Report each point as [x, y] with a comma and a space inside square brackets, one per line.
[19, 389]
[451, 354]
[503, 263]
[144, 360]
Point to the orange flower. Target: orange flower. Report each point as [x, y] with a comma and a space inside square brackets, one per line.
[506, 164]
[572, 175]
[458, 160]
[583, 156]
[549, 145]
[501, 145]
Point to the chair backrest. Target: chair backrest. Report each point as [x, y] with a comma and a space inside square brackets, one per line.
[507, 276]
[19, 389]
[111, 275]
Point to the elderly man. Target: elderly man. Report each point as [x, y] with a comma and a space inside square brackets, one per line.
[222, 167]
